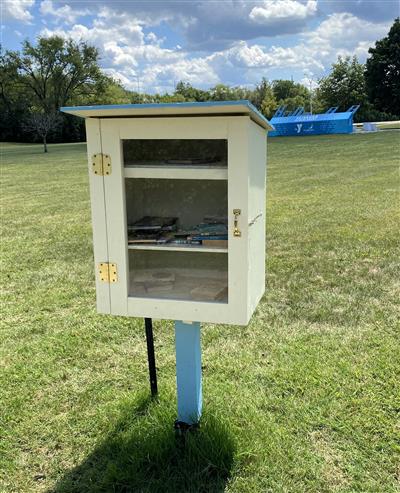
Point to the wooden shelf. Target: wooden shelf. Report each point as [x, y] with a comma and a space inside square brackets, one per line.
[177, 248]
[177, 172]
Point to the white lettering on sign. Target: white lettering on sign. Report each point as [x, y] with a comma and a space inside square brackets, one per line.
[298, 129]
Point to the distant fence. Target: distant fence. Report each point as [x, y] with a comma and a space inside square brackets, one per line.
[387, 125]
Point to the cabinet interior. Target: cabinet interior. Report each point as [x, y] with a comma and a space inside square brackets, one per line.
[175, 152]
[193, 272]
[188, 200]
[190, 276]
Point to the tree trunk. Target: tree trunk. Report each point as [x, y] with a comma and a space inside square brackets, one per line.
[44, 143]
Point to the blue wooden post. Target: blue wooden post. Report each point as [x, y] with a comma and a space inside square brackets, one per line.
[188, 371]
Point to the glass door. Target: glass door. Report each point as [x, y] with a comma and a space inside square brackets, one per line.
[177, 219]
[170, 225]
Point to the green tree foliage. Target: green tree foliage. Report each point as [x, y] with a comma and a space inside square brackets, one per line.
[55, 70]
[382, 72]
[38, 80]
[190, 93]
[13, 104]
[263, 98]
[291, 94]
[344, 86]
[222, 92]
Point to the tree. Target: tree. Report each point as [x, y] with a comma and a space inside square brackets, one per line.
[382, 74]
[55, 70]
[190, 93]
[42, 124]
[269, 105]
[49, 75]
[344, 86]
[107, 91]
[263, 98]
[13, 104]
[291, 94]
[222, 92]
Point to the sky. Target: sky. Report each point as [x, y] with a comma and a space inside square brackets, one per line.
[151, 45]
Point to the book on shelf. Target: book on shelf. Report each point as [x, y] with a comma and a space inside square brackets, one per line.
[155, 230]
[184, 241]
[152, 230]
[154, 223]
[210, 237]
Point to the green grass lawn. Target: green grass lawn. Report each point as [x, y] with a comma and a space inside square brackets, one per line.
[304, 399]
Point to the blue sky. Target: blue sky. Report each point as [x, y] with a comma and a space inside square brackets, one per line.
[153, 44]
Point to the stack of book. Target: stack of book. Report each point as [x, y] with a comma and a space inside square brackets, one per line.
[151, 229]
[212, 232]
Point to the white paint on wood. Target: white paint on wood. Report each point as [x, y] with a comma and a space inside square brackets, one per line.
[178, 248]
[114, 187]
[238, 142]
[181, 173]
[245, 176]
[257, 212]
[99, 225]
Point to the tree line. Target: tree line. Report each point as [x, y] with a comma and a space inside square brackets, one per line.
[40, 78]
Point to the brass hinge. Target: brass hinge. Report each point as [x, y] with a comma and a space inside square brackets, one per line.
[108, 272]
[101, 164]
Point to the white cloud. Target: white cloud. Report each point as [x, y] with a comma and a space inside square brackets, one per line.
[17, 9]
[339, 34]
[127, 52]
[117, 75]
[272, 10]
[346, 31]
[61, 14]
[101, 32]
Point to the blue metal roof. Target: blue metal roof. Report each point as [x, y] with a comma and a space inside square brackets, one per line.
[154, 109]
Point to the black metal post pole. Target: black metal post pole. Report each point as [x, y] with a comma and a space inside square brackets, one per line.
[151, 356]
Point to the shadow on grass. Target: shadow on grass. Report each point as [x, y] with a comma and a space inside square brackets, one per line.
[143, 454]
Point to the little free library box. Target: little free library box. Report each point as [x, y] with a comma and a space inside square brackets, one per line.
[178, 209]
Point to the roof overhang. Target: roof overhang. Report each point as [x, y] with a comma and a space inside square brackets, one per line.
[213, 108]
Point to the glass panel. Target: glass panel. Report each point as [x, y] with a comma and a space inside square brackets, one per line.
[178, 238]
[177, 212]
[175, 152]
[189, 276]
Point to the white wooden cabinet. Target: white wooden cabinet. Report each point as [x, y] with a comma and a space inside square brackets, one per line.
[190, 161]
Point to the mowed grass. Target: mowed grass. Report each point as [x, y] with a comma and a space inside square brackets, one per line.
[304, 399]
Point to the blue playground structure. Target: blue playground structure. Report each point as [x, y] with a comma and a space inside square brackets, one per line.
[298, 122]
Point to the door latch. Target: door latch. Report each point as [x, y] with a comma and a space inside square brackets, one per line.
[236, 230]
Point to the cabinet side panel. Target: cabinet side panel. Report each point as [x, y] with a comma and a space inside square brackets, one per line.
[96, 184]
[114, 188]
[257, 212]
[238, 153]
